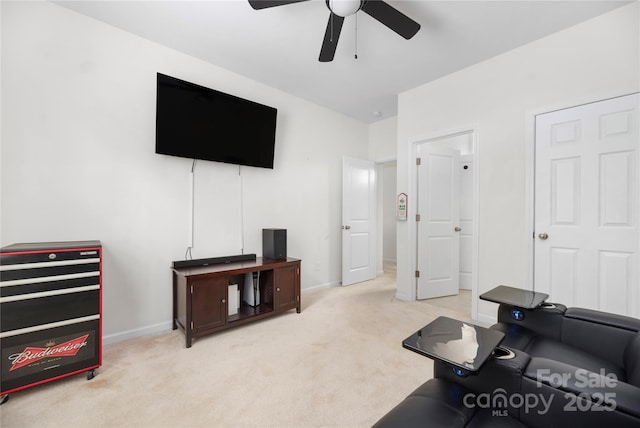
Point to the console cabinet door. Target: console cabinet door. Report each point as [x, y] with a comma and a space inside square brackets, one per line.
[208, 303]
[286, 287]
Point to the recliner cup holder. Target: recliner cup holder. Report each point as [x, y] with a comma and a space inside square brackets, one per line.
[501, 353]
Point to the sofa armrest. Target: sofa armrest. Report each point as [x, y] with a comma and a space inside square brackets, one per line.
[442, 403]
[545, 320]
[497, 375]
[605, 392]
[438, 403]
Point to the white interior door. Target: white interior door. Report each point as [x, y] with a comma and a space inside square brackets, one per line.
[586, 206]
[358, 220]
[439, 222]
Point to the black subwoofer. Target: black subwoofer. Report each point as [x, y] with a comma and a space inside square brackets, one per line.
[274, 243]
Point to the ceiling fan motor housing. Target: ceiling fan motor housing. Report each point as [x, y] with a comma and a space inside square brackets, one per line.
[344, 8]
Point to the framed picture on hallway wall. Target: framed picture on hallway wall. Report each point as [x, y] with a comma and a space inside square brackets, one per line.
[401, 209]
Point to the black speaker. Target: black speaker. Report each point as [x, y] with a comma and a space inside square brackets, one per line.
[212, 261]
[274, 243]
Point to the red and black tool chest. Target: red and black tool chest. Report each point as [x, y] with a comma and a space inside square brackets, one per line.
[50, 312]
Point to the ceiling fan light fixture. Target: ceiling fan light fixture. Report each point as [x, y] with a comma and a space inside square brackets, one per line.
[379, 10]
[344, 8]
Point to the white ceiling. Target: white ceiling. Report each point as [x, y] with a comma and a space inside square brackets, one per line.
[280, 46]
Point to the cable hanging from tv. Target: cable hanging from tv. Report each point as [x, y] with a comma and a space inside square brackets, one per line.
[241, 212]
[187, 254]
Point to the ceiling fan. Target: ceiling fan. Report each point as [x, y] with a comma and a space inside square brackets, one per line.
[339, 9]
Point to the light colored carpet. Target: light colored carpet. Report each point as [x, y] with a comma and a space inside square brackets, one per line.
[339, 363]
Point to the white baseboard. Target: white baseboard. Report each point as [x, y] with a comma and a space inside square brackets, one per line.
[151, 330]
[487, 320]
[402, 296]
[320, 287]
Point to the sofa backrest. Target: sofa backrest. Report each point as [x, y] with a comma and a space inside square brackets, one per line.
[632, 361]
[599, 333]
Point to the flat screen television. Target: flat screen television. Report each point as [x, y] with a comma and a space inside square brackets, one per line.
[201, 123]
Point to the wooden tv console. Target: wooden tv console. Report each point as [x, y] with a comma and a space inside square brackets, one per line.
[200, 294]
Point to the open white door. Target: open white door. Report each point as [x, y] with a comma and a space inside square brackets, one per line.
[586, 206]
[358, 220]
[439, 221]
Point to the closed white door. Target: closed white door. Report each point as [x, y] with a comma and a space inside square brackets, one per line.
[586, 206]
[438, 225]
[358, 220]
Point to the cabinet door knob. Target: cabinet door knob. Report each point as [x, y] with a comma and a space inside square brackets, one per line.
[224, 300]
[278, 289]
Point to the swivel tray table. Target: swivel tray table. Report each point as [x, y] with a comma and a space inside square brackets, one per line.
[517, 297]
[462, 345]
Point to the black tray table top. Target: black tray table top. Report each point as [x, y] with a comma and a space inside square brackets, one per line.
[517, 297]
[460, 344]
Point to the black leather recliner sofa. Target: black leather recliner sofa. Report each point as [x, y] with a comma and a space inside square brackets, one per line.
[556, 367]
[587, 361]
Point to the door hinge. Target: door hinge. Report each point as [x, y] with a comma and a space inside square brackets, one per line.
[418, 161]
[192, 289]
[191, 325]
[417, 217]
[417, 274]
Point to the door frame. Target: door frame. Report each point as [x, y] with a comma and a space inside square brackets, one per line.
[411, 206]
[530, 170]
[379, 213]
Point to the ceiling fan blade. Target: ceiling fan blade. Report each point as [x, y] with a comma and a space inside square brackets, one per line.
[391, 17]
[264, 4]
[331, 36]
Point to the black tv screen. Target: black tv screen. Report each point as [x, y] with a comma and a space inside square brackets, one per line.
[201, 123]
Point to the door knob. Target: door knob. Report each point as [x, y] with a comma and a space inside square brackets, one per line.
[457, 229]
[543, 236]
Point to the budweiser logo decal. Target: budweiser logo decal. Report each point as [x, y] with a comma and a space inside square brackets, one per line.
[32, 354]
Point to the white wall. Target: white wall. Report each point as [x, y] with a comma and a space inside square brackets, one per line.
[383, 139]
[592, 60]
[78, 163]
